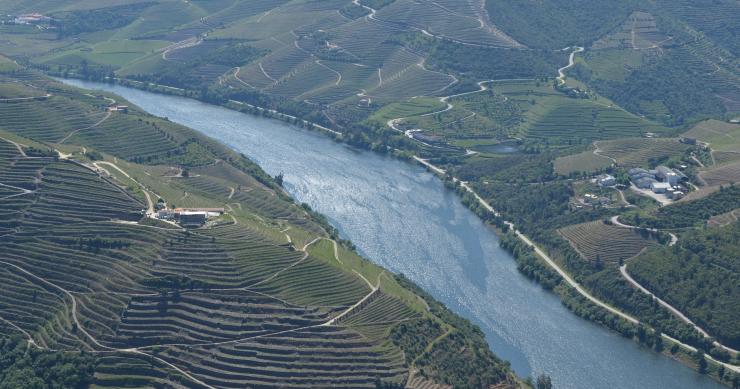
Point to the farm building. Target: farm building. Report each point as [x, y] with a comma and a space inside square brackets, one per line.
[192, 219]
[189, 217]
[118, 108]
[166, 214]
[210, 212]
[662, 171]
[33, 18]
[660, 187]
[645, 182]
[644, 179]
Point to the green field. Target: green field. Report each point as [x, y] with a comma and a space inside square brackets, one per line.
[585, 162]
[111, 53]
[721, 136]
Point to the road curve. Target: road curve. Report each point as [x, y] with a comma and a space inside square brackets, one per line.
[571, 62]
[568, 279]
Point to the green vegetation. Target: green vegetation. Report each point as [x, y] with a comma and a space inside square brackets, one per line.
[458, 356]
[219, 304]
[109, 18]
[585, 162]
[24, 367]
[719, 135]
[472, 90]
[699, 276]
[689, 214]
[642, 152]
[556, 24]
[601, 243]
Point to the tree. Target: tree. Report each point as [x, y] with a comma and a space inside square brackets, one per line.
[701, 362]
[544, 382]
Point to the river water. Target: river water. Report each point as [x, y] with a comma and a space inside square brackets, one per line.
[403, 218]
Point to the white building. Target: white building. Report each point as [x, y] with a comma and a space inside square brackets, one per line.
[660, 187]
[606, 180]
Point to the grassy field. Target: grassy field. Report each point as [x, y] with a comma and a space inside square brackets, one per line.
[413, 107]
[721, 136]
[112, 53]
[585, 162]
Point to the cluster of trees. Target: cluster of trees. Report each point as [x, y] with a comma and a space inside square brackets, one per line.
[174, 283]
[669, 81]
[24, 367]
[37, 152]
[413, 337]
[559, 23]
[528, 263]
[462, 358]
[484, 63]
[97, 243]
[701, 277]
[514, 168]
[90, 20]
[353, 11]
[182, 73]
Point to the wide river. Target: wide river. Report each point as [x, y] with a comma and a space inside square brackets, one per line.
[403, 218]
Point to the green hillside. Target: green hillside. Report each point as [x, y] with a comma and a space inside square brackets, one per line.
[528, 102]
[705, 266]
[102, 293]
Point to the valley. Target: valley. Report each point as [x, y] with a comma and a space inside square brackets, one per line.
[597, 140]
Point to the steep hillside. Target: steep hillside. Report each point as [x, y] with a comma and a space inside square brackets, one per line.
[261, 295]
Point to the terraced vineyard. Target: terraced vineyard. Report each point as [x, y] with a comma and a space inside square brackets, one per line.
[261, 298]
[634, 152]
[608, 244]
[519, 99]
[722, 175]
[560, 118]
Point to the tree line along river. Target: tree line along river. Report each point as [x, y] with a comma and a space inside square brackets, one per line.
[403, 218]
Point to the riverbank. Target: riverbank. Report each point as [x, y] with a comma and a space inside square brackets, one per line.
[218, 124]
[583, 302]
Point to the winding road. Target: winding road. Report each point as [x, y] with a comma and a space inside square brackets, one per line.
[571, 62]
[671, 308]
[566, 277]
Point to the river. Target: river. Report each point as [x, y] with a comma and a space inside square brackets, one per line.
[401, 217]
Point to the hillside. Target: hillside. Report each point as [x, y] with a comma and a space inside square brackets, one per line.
[705, 266]
[262, 295]
[535, 112]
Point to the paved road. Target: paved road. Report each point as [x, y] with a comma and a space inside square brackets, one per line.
[568, 279]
